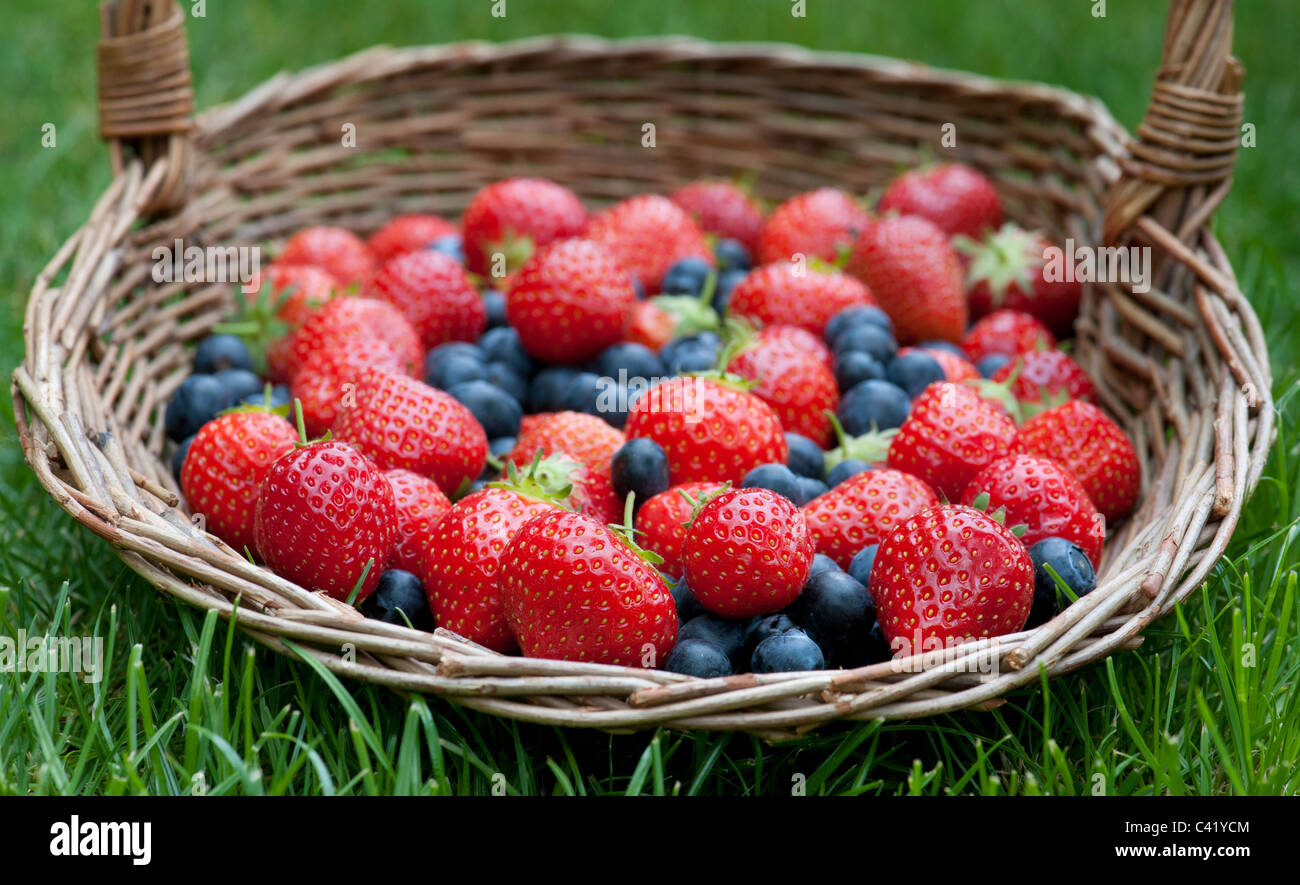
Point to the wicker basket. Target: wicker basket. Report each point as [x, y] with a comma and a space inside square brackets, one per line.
[1183, 367]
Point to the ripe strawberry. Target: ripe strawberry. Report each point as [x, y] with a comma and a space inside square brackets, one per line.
[1008, 332]
[1046, 377]
[651, 325]
[709, 430]
[952, 434]
[722, 208]
[662, 520]
[339, 251]
[801, 339]
[862, 510]
[408, 233]
[329, 375]
[323, 512]
[574, 590]
[1094, 449]
[401, 422]
[591, 487]
[342, 324]
[1043, 495]
[954, 367]
[747, 552]
[515, 217]
[570, 301]
[819, 223]
[585, 438]
[647, 235]
[796, 383]
[431, 290]
[1009, 270]
[298, 289]
[957, 198]
[788, 294]
[419, 504]
[950, 573]
[915, 275]
[225, 466]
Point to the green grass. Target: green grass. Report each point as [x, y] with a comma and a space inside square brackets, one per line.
[188, 705]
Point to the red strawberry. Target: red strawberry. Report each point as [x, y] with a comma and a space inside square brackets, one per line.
[339, 251]
[404, 423]
[432, 292]
[515, 217]
[1007, 332]
[329, 375]
[585, 438]
[950, 573]
[796, 383]
[591, 487]
[651, 325]
[1045, 378]
[570, 301]
[419, 504]
[1094, 449]
[915, 275]
[225, 466]
[710, 431]
[1010, 270]
[747, 552]
[647, 235]
[955, 368]
[789, 294]
[342, 324]
[323, 512]
[574, 590]
[722, 208]
[1043, 495]
[952, 434]
[957, 198]
[409, 233]
[662, 520]
[801, 339]
[304, 288]
[862, 510]
[819, 223]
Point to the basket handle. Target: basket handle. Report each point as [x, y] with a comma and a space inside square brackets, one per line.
[1181, 159]
[146, 98]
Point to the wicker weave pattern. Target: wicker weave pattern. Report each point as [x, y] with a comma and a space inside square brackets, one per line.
[1183, 366]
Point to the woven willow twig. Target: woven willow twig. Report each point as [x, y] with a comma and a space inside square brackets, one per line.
[1183, 366]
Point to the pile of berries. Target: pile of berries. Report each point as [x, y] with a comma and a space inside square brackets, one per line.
[682, 432]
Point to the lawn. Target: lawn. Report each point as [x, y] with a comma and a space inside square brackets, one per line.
[1208, 705]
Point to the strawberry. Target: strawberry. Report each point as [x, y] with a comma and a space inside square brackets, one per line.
[341, 324]
[651, 325]
[957, 198]
[329, 375]
[1044, 378]
[1008, 270]
[662, 522]
[796, 383]
[340, 252]
[916, 276]
[408, 233]
[747, 552]
[800, 339]
[432, 292]
[950, 573]
[722, 208]
[709, 430]
[591, 487]
[574, 590]
[515, 217]
[790, 294]
[1094, 449]
[862, 510]
[954, 367]
[404, 423]
[419, 504]
[585, 438]
[952, 434]
[570, 301]
[225, 466]
[298, 290]
[325, 513]
[819, 223]
[647, 235]
[1041, 494]
[1006, 332]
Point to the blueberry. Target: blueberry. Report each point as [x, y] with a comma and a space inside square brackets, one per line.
[280, 396]
[195, 403]
[178, 457]
[727, 281]
[788, 652]
[694, 353]
[914, 371]
[501, 446]
[503, 376]
[857, 316]
[778, 478]
[846, 469]
[877, 648]
[764, 626]
[838, 612]
[399, 593]
[450, 244]
[546, 391]
[860, 566]
[988, 366]
[502, 345]
[822, 563]
[453, 349]
[217, 352]
[724, 633]
[581, 394]
[732, 255]
[448, 371]
[627, 360]
[1075, 569]
[686, 277]
[240, 383]
[688, 607]
[854, 367]
[806, 457]
[873, 405]
[498, 411]
[874, 341]
[639, 466]
[695, 657]
[495, 303]
[940, 344]
[811, 488]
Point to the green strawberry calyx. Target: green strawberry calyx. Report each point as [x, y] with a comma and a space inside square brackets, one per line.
[515, 249]
[698, 502]
[627, 532]
[737, 336]
[548, 478]
[1007, 257]
[1001, 393]
[694, 313]
[981, 503]
[871, 447]
[257, 322]
[264, 407]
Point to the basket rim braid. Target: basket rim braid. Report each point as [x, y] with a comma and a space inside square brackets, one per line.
[1183, 366]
